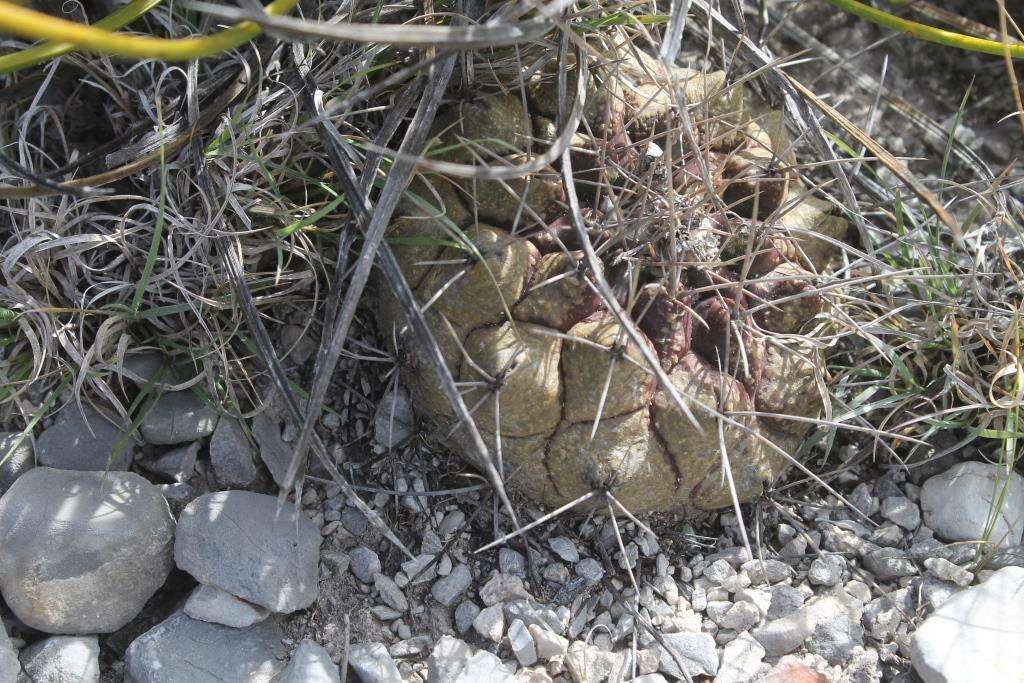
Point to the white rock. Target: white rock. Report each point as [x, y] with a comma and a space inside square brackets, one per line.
[63, 659]
[209, 603]
[483, 667]
[947, 571]
[956, 503]
[490, 622]
[522, 643]
[786, 634]
[741, 659]
[975, 635]
[372, 663]
[740, 617]
[589, 664]
[310, 663]
[548, 644]
[447, 660]
[503, 588]
[696, 651]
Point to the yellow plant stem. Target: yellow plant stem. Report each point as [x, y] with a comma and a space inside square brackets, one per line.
[31, 24]
[929, 33]
[47, 51]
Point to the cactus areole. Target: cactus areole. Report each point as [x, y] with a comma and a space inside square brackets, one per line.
[722, 282]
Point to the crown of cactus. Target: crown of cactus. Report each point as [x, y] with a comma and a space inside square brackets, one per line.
[722, 286]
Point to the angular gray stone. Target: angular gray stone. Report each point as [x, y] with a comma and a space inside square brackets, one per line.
[490, 623]
[465, 614]
[901, 511]
[209, 603]
[503, 588]
[889, 563]
[823, 618]
[390, 593]
[826, 570]
[522, 644]
[565, 549]
[252, 547]
[177, 464]
[448, 589]
[393, 421]
[947, 571]
[447, 659]
[176, 417]
[956, 503]
[63, 659]
[85, 441]
[185, 649]
[770, 571]
[10, 667]
[975, 635]
[232, 455]
[372, 663]
[16, 458]
[548, 643]
[365, 564]
[590, 569]
[589, 663]
[696, 651]
[82, 551]
[275, 453]
[310, 663]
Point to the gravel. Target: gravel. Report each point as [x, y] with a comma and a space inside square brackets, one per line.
[185, 649]
[232, 455]
[250, 546]
[82, 551]
[975, 635]
[63, 659]
[177, 417]
[82, 439]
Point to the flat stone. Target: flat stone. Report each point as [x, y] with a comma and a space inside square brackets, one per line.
[522, 644]
[590, 569]
[590, 664]
[63, 659]
[232, 455]
[975, 635]
[82, 551]
[209, 603]
[390, 593]
[177, 464]
[393, 421]
[84, 440]
[16, 458]
[310, 663]
[275, 453]
[770, 571]
[947, 571]
[447, 659]
[956, 503]
[741, 659]
[372, 663]
[889, 563]
[503, 588]
[252, 547]
[483, 667]
[490, 623]
[548, 643]
[465, 615]
[901, 511]
[696, 651]
[564, 548]
[448, 589]
[785, 601]
[740, 617]
[185, 649]
[177, 417]
[815, 619]
[826, 570]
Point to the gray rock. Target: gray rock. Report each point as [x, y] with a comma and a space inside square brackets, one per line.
[275, 453]
[372, 663]
[503, 588]
[956, 503]
[390, 593]
[740, 616]
[863, 499]
[177, 464]
[209, 603]
[248, 545]
[310, 663]
[365, 564]
[483, 667]
[902, 512]
[448, 589]
[718, 572]
[447, 660]
[815, 619]
[16, 458]
[696, 651]
[975, 635]
[490, 623]
[785, 600]
[947, 571]
[522, 644]
[82, 551]
[889, 563]
[511, 562]
[232, 455]
[354, 521]
[770, 571]
[887, 535]
[176, 417]
[185, 649]
[826, 570]
[10, 667]
[465, 615]
[532, 613]
[84, 440]
[590, 569]
[741, 660]
[393, 421]
[63, 659]
[144, 367]
[548, 643]
[336, 562]
[935, 592]
[590, 664]
[565, 548]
